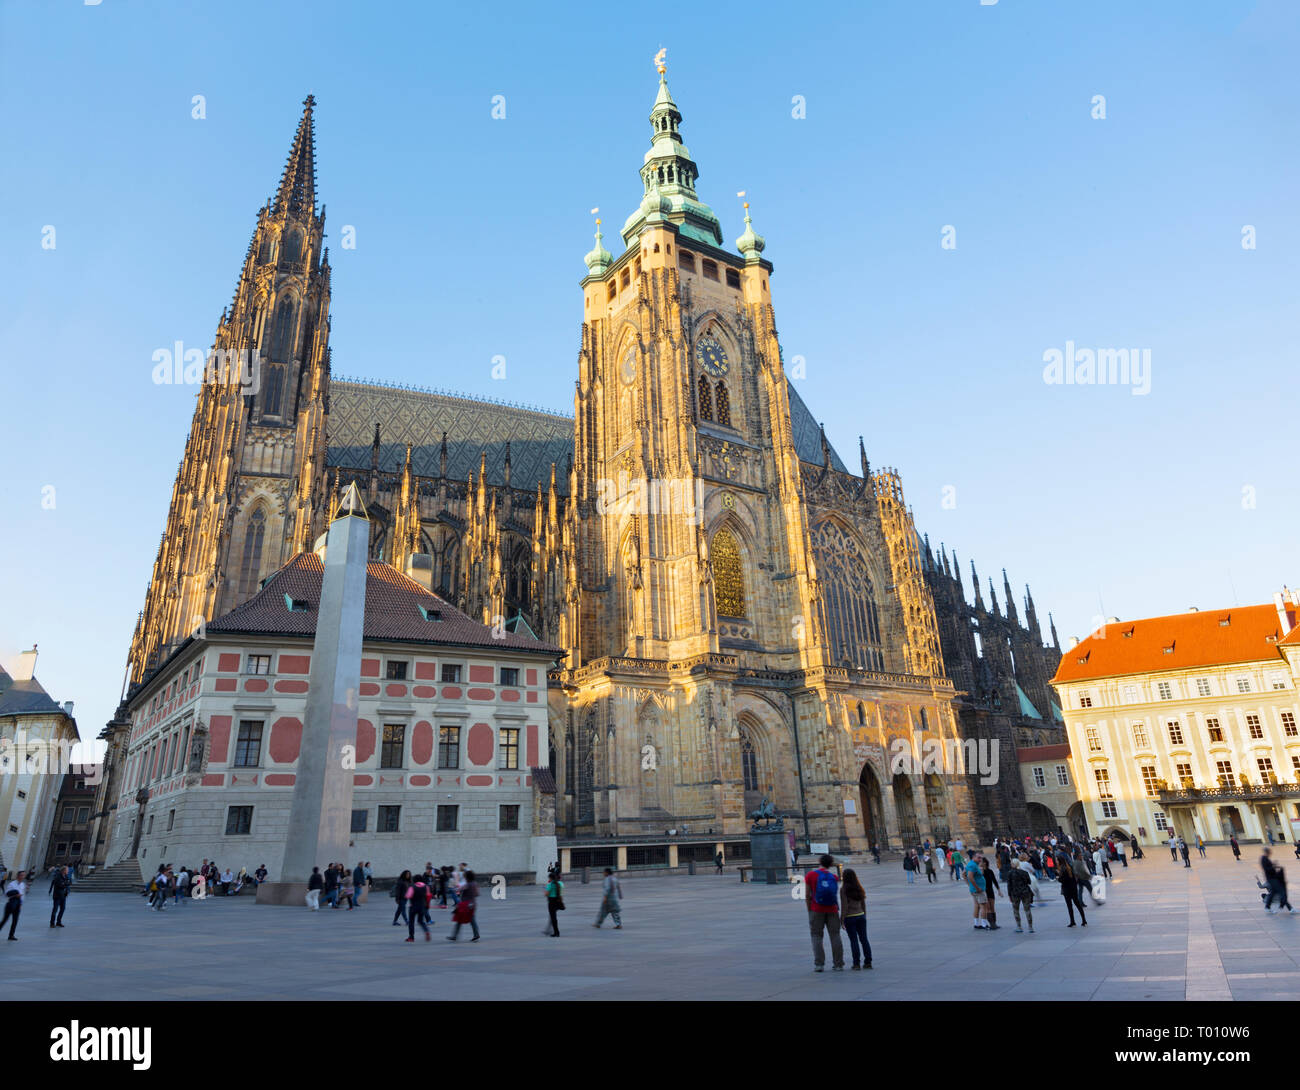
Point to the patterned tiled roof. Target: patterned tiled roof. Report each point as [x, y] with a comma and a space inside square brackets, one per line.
[1216, 637]
[807, 433]
[537, 439]
[392, 611]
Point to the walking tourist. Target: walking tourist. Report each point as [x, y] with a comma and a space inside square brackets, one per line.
[15, 892]
[314, 886]
[611, 892]
[358, 883]
[1185, 852]
[909, 866]
[991, 888]
[1020, 892]
[554, 902]
[59, 889]
[1070, 889]
[822, 892]
[1200, 845]
[929, 868]
[467, 908]
[1236, 848]
[400, 887]
[418, 894]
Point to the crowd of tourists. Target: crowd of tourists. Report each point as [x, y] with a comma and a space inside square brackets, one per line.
[189, 883]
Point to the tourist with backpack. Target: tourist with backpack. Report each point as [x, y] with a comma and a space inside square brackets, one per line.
[822, 893]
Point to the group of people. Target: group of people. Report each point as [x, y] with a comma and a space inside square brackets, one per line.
[338, 884]
[836, 903]
[197, 883]
[415, 894]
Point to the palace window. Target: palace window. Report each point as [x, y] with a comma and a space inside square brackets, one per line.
[509, 818]
[1085, 699]
[1214, 730]
[1040, 777]
[83, 815]
[1161, 823]
[1243, 684]
[1149, 780]
[1165, 691]
[258, 664]
[448, 819]
[395, 670]
[1094, 740]
[1175, 732]
[705, 398]
[450, 673]
[1184, 774]
[1288, 724]
[1140, 740]
[1103, 783]
[1277, 681]
[171, 820]
[248, 746]
[394, 745]
[733, 278]
[510, 675]
[449, 747]
[1131, 693]
[359, 820]
[1224, 769]
[1202, 686]
[239, 821]
[1063, 775]
[728, 575]
[390, 819]
[1109, 810]
[509, 748]
[1295, 764]
[723, 400]
[1253, 725]
[686, 260]
[1266, 773]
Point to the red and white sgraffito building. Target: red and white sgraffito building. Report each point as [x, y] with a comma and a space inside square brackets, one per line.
[451, 759]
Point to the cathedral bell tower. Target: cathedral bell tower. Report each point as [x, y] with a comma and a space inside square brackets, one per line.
[249, 492]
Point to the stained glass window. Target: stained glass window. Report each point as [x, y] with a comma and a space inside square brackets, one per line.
[728, 575]
[848, 598]
[724, 404]
[706, 399]
[587, 771]
[282, 331]
[253, 534]
[748, 763]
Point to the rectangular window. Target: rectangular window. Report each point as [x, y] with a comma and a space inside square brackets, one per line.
[1266, 773]
[1094, 740]
[448, 816]
[248, 748]
[1215, 731]
[733, 278]
[1243, 684]
[1040, 778]
[239, 820]
[509, 675]
[1140, 739]
[149, 828]
[1278, 681]
[258, 664]
[509, 748]
[76, 847]
[395, 671]
[1109, 810]
[1161, 823]
[171, 820]
[359, 820]
[1202, 686]
[449, 747]
[69, 815]
[1288, 724]
[1253, 725]
[389, 819]
[1103, 783]
[1224, 769]
[710, 269]
[1295, 764]
[59, 849]
[1149, 780]
[1062, 776]
[1175, 732]
[509, 819]
[1085, 699]
[450, 673]
[1131, 693]
[1184, 774]
[686, 260]
[394, 746]
[83, 815]
[1165, 690]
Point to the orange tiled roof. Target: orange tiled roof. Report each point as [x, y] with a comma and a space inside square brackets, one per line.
[1251, 634]
[1043, 753]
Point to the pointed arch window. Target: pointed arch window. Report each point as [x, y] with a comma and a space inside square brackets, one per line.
[254, 533]
[281, 346]
[274, 390]
[706, 399]
[748, 762]
[587, 771]
[728, 575]
[848, 598]
[724, 404]
[293, 247]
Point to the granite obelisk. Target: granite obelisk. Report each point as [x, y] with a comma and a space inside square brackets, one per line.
[320, 812]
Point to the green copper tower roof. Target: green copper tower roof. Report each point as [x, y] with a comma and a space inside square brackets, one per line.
[668, 176]
[600, 258]
[750, 244]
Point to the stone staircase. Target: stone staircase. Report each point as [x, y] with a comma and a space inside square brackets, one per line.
[122, 877]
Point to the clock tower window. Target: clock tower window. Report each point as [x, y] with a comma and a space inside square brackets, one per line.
[723, 401]
[706, 399]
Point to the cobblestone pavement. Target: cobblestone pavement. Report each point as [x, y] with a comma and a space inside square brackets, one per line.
[1165, 933]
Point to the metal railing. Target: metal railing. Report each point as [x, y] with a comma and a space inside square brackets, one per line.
[1254, 791]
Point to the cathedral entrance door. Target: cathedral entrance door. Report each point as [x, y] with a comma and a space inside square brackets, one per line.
[937, 807]
[905, 808]
[873, 810]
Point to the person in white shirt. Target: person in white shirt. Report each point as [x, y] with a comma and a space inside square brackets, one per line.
[957, 845]
[227, 877]
[182, 886]
[15, 891]
[609, 905]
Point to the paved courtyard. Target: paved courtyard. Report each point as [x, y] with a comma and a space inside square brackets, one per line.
[1165, 933]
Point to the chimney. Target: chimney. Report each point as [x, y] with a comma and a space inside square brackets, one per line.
[25, 669]
[67, 708]
[1287, 601]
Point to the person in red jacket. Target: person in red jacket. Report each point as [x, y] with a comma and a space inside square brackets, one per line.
[822, 894]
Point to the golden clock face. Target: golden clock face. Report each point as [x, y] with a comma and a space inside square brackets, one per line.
[627, 371]
[711, 356]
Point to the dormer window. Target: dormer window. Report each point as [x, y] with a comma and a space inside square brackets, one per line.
[1225, 620]
[430, 614]
[296, 605]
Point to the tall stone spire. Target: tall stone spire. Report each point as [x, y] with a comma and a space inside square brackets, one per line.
[297, 192]
[1010, 598]
[975, 579]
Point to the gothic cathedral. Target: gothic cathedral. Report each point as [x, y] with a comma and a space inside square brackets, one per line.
[744, 616]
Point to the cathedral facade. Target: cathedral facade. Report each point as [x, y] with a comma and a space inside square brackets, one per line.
[743, 616]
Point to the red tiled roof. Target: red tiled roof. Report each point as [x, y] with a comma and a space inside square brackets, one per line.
[1250, 634]
[1043, 753]
[393, 604]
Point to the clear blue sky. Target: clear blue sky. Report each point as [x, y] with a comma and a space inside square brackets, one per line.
[1123, 232]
